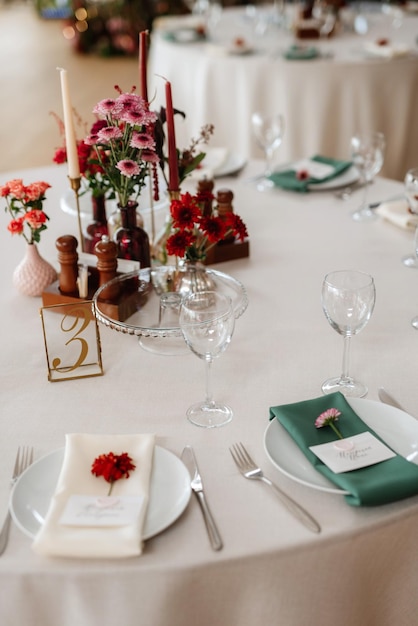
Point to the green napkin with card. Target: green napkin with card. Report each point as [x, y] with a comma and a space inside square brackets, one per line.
[309, 172]
[388, 481]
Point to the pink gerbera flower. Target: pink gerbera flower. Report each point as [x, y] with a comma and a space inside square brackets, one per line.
[109, 133]
[328, 418]
[128, 168]
[142, 141]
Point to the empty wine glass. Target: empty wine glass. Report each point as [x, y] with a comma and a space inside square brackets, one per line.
[348, 298]
[207, 322]
[268, 131]
[326, 14]
[411, 194]
[367, 153]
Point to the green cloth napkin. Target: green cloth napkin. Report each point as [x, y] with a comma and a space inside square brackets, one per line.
[287, 179]
[388, 481]
[301, 53]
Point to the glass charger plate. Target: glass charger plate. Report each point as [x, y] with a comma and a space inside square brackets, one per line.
[144, 288]
[398, 429]
[169, 492]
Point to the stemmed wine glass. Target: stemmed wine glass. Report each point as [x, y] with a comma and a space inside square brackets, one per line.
[367, 152]
[411, 194]
[268, 131]
[348, 298]
[325, 13]
[207, 322]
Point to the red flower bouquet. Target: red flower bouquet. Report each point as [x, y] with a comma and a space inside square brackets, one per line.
[194, 233]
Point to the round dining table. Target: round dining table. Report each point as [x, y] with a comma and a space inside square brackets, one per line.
[329, 90]
[361, 568]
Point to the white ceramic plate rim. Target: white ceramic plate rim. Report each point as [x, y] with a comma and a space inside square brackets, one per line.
[233, 163]
[346, 178]
[169, 492]
[398, 429]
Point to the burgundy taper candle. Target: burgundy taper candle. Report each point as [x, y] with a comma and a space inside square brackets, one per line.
[173, 171]
[143, 36]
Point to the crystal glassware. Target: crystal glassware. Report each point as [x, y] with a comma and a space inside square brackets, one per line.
[348, 299]
[367, 153]
[207, 322]
[411, 194]
[268, 131]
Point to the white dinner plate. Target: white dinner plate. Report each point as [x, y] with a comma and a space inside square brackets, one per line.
[398, 429]
[233, 164]
[346, 178]
[169, 492]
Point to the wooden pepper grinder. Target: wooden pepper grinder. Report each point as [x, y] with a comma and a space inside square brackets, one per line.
[224, 199]
[68, 260]
[205, 195]
[107, 264]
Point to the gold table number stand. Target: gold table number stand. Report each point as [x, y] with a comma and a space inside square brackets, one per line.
[72, 341]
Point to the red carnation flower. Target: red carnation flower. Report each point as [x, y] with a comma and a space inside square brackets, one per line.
[112, 467]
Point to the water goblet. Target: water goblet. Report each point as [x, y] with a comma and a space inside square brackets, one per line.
[411, 194]
[367, 152]
[207, 322]
[268, 132]
[348, 299]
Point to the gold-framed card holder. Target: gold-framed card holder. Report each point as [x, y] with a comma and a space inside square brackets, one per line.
[72, 341]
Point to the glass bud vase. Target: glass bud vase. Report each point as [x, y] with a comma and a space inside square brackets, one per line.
[115, 221]
[98, 227]
[132, 240]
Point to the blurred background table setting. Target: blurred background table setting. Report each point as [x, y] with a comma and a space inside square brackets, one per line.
[263, 283]
[326, 95]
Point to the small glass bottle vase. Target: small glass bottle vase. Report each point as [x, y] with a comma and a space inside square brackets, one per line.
[131, 239]
[98, 227]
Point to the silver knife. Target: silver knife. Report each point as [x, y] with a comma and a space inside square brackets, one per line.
[386, 398]
[196, 484]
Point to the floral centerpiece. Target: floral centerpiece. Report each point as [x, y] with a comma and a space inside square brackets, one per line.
[193, 233]
[125, 145]
[24, 203]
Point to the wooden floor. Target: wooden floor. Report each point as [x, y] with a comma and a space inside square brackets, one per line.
[30, 51]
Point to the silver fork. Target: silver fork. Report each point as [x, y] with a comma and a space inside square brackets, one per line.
[249, 469]
[24, 458]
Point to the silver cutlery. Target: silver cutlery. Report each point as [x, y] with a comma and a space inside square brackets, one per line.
[249, 469]
[345, 192]
[24, 458]
[196, 484]
[387, 398]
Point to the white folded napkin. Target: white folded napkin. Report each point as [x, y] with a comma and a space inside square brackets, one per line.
[56, 539]
[397, 213]
[386, 51]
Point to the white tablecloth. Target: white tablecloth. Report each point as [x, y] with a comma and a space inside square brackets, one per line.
[324, 100]
[362, 568]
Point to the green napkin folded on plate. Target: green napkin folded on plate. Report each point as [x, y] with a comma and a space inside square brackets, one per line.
[287, 179]
[301, 53]
[388, 481]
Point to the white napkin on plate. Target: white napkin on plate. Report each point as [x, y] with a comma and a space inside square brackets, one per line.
[55, 539]
[397, 213]
[386, 51]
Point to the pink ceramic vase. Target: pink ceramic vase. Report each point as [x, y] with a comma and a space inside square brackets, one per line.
[33, 274]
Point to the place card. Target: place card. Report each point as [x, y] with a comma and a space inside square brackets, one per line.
[351, 453]
[101, 511]
[313, 168]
